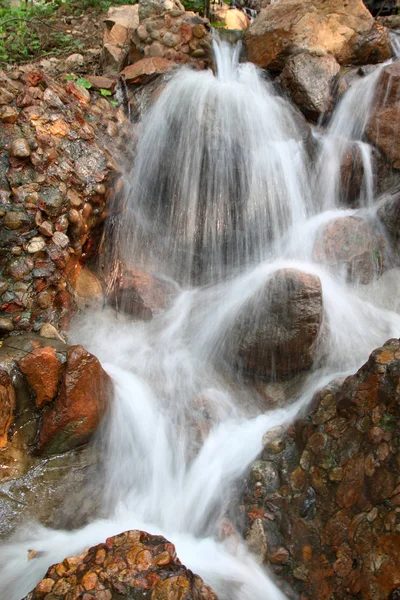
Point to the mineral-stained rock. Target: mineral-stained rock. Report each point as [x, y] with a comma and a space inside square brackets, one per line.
[380, 129]
[82, 399]
[353, 246]
[308, 79]
[140, 294]
[56, 158]
[131, 565]
[145, 69]
[276, 332]
[7, 406]
[43, 371]
[342, 28]
[334, 517]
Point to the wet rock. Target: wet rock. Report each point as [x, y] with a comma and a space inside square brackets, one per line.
[352, 246]
[308, 80]
[140, 294]
[87, 287]
[276, 332]
[8, 114]
[43, 370]
[6, 324]
[380, 130]
[147, 68]
[128, 565]
[336, 513]
[20, 148]
[50, 332]
[7, 406]
[345, 30]
[389, 214]
[82, 399]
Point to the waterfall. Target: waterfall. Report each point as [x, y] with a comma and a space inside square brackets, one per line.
[220, 194]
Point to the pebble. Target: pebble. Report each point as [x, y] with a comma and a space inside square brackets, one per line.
[36, 245]
[20, 148]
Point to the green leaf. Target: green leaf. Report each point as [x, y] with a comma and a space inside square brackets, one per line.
[104, 92]
[84, 83]
[114, 103]
[69, 77]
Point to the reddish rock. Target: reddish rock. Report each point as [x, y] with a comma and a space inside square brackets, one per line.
[342, 28]
[140, 294]
[276, 332]
[147, 68]
[7, 407]
[352, 246]
[83, 397]
[339, 521]
[130, 565]
[42, 370]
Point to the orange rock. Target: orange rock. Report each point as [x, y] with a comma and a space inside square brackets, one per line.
[7, 406]
[79, 406]
[43, 371]
[146, 68]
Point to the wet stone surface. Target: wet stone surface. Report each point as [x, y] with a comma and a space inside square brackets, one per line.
[331, 526]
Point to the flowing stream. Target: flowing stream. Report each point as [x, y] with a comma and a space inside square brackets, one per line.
[222, 194]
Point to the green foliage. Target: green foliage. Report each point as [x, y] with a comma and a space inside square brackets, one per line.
[194, 5]
[30, 30]
[104, 92]
[83, 82]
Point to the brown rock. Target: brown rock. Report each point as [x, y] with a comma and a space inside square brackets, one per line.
[7, 407]
[147, 68]
[8, 114]
[342, 28]
[276, 332]
[101, 83]
[339, 521]
[308, 79]
[43, 371]
[79, 406]
[140, 294]
[129, 565]
[20, 148]
[351, 245]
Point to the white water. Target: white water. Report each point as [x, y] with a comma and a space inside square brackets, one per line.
[180, 433]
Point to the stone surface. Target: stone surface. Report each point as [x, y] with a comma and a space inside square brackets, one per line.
[58, 170]
[131, 565]
[380, 129]
[143, 70]
[43, 371]
[83, 397]
[351, 246]
[140, 294]
[7, 406]
[342, 28]
[308, 80]
[276, 332]
[333, 517]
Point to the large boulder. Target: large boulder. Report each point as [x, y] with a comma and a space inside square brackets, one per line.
[276, 332]
[308, 80]
[342, 28]
[61, 390]
[131, 565]
[380, 129]
[326, 492]
[351, 246]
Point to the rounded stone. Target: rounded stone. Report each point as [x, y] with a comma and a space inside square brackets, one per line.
[36, 245]
[20, 148]
[6, 324]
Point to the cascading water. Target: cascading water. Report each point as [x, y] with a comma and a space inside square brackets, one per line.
[220, 192]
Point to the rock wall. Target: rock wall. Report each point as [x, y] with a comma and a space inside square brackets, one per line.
[322, 502]
[58, 169]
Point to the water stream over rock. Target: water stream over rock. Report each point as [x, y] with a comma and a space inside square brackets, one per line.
[221, 194]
